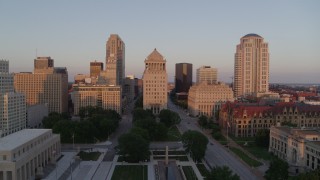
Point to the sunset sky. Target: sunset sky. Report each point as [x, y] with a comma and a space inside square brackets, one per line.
[74, 32]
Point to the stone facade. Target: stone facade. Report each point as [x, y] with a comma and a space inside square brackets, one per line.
[107, 97]
[300, 147]
[155, 80]
[206, 99]
[246, 119]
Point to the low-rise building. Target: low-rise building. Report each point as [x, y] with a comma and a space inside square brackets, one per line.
[245, 119]
[35, 115]
[206, 99]
[300, 147]
[107, 97]
[24, 154]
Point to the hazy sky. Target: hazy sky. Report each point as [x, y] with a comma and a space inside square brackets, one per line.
[74, 32]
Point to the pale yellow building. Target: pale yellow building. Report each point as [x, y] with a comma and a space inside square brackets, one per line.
[206, 99]
[300, 147]
[155, 82]
[45, 86]
[115, 60]
[107, 97]
[207, 74]
[251, 66]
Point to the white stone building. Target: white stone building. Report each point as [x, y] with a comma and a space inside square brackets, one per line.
[24, 154]
[206, 99]
[300, 147]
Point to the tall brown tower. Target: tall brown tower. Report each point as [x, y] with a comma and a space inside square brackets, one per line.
[115, 60]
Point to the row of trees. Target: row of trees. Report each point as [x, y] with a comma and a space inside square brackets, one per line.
[95, 124]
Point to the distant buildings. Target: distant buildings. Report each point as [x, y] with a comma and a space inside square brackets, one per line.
[246, 119]
[95, 68]
[183, 77]
[129, 88]
[300, 147]
[24, 154]
[115, 60]
[206, 99]
[46, 85]
[104, 96]
[12, 105]
[155, 82]
[207, 74]
[251, 66]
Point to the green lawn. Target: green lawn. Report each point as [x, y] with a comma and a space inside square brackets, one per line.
[173, 134]
[130, 172]
[203, 170]
[189, 173]
[245, 158]
[251, 147]
[88, 156]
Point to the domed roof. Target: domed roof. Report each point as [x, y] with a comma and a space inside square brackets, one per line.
[252, 35]
[155, 56]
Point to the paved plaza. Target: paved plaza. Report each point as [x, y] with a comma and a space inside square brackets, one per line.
[103, 170]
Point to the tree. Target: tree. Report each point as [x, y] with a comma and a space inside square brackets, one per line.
[195, 143]
[262, 138]
[139, 102]
[278, 170]
[222, 173]
[169, 118]
[203, 121]
[133, 147]
[50, 120]
[160, 132]
[65, 128]
[140, 113]
[85, 132]
[140, 131]
[312, 175]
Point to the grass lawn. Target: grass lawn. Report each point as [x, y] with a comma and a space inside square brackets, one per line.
[89, 156]
[203, 170]
[124, 159]
[189, 173]
[257, 151]
[130, 172]
[173, 134]
[251, 162]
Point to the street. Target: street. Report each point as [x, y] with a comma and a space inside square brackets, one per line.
[216, 154]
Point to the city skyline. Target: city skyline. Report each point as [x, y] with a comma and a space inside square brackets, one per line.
[200, 34]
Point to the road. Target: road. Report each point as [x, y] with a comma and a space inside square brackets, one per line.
[216, 154]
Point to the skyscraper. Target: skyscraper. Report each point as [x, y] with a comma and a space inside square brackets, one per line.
[115, 60]
[183, 78]
[206, 74]
[12, 105]
[251, 66]
[45, 86]
[95, 68]
[155, 82]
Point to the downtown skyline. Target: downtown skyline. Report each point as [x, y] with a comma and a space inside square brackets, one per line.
[74, 34]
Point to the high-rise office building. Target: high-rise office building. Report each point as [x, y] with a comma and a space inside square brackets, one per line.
[251, 66]
[206, 74]
[12, 105]
[43, 63]
[155, 82]
[95, 68]
[44, 86]
[115, 60]
[183, 78]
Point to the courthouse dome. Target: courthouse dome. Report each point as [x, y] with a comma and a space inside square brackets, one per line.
[252, 35]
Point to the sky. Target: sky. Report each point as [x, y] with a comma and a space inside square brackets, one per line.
[204, 32]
